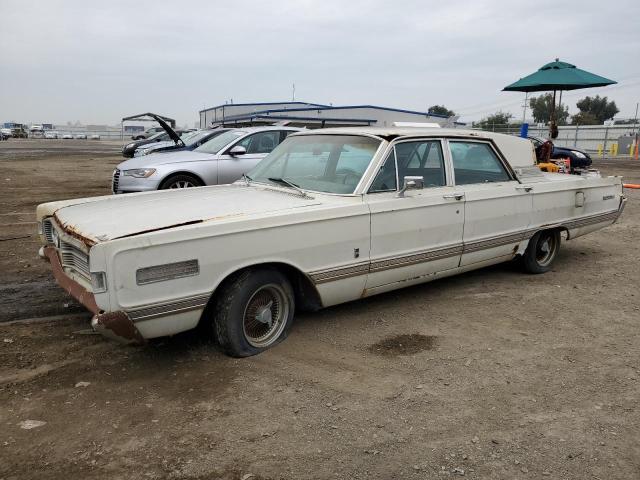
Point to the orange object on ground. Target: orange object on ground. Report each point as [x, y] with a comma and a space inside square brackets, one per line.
[631, 185]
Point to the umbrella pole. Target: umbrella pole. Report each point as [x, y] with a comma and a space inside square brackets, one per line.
[553, 129]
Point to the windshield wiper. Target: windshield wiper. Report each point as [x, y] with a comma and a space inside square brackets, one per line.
[284, 181]
[247, 179]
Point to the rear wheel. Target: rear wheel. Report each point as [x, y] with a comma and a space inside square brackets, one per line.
[541, 251]
[180, 181]
[253, 311]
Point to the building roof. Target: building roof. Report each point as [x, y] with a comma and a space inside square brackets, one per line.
[317, 106]
[261, 104]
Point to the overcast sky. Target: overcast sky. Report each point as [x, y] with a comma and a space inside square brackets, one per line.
[77, 61]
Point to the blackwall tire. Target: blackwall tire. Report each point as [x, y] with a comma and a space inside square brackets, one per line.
[180, 181]
[541, 252]
[253, 312]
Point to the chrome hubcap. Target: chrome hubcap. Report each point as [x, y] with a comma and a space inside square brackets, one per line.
[545, 249]
[265, 316]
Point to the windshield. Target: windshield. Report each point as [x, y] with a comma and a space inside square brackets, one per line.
[321, 163]
[198, 136]
[187, 135]
[158, 135]
[218, 142]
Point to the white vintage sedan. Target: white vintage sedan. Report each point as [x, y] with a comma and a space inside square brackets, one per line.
[328, 217]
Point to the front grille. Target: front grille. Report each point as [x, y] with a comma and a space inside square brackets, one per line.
[116, 180]
[74, 258]
[47, 230]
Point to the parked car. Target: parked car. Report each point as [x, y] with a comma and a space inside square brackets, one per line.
[579, 159]
[19, 131]
[149, 132]
[5, 133]
[129, 150]
[328, 217]
[189, 141]
[67, 136]
[223, 159]
[95, 136]
[81, 136]
[50, 135]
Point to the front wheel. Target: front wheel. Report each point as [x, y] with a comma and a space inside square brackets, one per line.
[180, 181]
[253, 312]
[541, 251]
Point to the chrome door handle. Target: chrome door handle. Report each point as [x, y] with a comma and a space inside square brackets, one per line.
[526, 188]
[457, 196]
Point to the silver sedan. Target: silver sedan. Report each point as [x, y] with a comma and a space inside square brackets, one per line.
[223, 159]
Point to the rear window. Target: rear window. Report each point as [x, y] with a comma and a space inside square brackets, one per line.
[476, 162]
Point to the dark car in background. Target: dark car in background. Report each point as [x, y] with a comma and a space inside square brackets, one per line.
[579, 158]
[129, 149]
[148, 133]
[189, 141]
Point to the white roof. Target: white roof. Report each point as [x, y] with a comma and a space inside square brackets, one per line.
[518, 151]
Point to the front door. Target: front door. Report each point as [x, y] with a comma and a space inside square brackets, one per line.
[420, 233]
[497, 207]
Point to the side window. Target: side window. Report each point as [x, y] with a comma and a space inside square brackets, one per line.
[385, 180]
[262, 142]
[476, 163]
[422, 159]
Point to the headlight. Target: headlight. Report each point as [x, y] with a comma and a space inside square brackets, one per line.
[130, 145]
[39, 228]
[578, 154]
[98, 282]
[140, 172]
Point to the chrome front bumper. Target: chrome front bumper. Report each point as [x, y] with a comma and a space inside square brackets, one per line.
[115, 325]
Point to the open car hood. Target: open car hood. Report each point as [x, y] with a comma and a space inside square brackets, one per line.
[170, 131]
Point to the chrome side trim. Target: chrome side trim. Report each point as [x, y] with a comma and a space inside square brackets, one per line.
[498, 241]
[593, 219]
[178, 306]
[332, 274]
[354, 270]
[415, 258]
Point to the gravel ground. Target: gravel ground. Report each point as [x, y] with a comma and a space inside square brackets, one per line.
[491, 374]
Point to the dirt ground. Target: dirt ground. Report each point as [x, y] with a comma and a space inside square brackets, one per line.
[491, 374]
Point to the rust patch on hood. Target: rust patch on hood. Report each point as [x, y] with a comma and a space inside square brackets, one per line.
[73, 231]
[150, 230]
[183, 224]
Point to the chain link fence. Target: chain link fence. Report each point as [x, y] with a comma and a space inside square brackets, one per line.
[592, 138]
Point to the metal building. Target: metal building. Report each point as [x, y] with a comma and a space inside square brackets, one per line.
[314, 115]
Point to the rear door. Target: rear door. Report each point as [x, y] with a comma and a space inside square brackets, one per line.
[419, 233]
[497, 207]
[258, 146]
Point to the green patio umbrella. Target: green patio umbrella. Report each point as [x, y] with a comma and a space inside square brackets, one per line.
[556, 76]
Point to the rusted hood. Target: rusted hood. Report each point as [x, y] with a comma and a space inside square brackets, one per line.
[117, 216]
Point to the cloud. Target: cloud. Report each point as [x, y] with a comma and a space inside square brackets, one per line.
[73, 60]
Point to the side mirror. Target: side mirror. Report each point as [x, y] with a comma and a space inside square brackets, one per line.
[237, 150]
[411, 183]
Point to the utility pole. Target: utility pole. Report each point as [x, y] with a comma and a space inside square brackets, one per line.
[635, 119]
[293, 92]
[524, 109]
